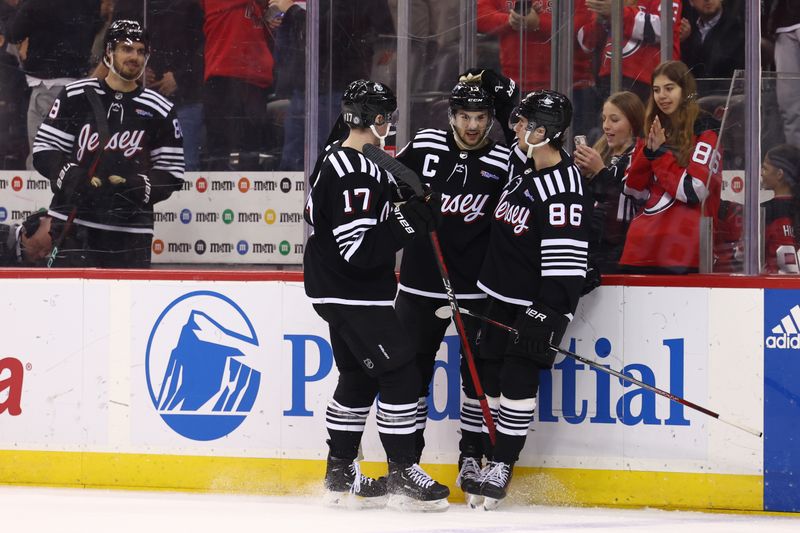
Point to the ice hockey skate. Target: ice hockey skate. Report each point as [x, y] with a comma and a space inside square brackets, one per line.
[469, 481]
[410, 488]
[494, 485]
[346, 486]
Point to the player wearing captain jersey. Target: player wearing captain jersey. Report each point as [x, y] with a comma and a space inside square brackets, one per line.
[111, 150]
[676, 172]
[469, 170]
[534, 271]
[349, 277]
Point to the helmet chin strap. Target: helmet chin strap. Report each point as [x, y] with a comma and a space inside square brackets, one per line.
[532, 146]
[380, 137]
[460, 142]
[112, 68]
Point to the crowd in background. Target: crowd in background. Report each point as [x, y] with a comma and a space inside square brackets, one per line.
[235, 70]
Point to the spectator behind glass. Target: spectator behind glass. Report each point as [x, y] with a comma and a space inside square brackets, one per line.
[13, 104]
[641, 41]
[673, 172]
[352, 28]
[780, 173]
[783, 22]
[714, 46]
[238, 76]
[605, 165]
[60, 38]
[533, 21]
[175, 67]
[26, 244]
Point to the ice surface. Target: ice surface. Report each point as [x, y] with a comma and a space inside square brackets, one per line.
[24, 509]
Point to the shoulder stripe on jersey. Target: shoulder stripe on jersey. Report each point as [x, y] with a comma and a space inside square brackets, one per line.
[559, 181]
[432, 130]
[80, 83]
[142, 99]
[345, 161]
[436, 146]
[336, 166]
[504, 150]
[435, 136]
[539, 187]
[158, 97]
[490, 161]
[167, 150]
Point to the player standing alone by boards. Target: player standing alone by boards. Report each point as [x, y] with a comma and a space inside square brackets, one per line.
[111, 150]
[534, 272]
[349, 277]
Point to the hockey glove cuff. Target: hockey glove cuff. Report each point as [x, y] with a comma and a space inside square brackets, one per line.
[71, 182]
[135, 189]
[538, 328]
[414, 217]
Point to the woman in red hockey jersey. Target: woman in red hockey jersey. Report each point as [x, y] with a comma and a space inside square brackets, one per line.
[780, 173]
[676, 172]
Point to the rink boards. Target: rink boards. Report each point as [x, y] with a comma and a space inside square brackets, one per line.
[219, 381]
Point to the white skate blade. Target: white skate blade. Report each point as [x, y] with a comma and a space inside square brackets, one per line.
[346, 500]
[474, 501]
[490, 504]
[401, 502]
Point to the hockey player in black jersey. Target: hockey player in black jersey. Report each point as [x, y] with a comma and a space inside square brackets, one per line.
[533, 272]
[349, 276]
[111, 150]
[469, 171]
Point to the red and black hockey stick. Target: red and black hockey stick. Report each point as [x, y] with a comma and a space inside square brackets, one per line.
[410, 178]
[104, 134]
[444, 312]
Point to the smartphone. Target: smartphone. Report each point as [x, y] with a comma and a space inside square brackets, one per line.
[580, 140]
[523, 7]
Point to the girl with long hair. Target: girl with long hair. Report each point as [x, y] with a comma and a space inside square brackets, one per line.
[605, 165]
[676, 172]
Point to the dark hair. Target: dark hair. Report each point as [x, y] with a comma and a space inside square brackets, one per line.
[632, 107]
[680, 127]
[787, 158]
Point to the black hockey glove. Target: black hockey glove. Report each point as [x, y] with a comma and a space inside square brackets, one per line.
[538, 327]
[72, 182]
[415, 217]
[134, 189]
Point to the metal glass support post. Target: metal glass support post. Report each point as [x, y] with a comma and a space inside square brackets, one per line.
[752, 121]
[403, 86]
[312, 95]
[616, 46]
[468, 16]
[666, 29]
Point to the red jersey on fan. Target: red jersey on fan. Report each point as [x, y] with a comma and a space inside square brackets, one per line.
[535, 73]
[641, 38]
[779, 233]
[666, 234]
[236, 46]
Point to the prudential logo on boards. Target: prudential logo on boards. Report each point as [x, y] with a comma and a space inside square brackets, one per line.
[199, 364]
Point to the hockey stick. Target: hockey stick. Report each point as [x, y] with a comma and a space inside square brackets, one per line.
[410, 178]
[443, 312]
[104, 134]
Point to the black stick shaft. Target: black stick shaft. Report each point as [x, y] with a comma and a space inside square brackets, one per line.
[624, 377]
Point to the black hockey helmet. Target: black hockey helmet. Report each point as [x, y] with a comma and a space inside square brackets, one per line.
[126, 31]
[549, 109]
[364, 100]
[470, 97]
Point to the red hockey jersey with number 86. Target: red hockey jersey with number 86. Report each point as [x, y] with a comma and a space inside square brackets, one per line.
[666, 233]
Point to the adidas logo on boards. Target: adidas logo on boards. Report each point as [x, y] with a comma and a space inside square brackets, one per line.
[786, 335]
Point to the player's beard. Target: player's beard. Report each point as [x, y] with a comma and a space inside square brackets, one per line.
[130, 70]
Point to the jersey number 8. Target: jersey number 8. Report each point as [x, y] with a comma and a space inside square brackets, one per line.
[558, 215]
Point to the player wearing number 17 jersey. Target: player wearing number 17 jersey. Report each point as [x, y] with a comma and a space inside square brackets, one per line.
[676, 172]
[534, 272]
